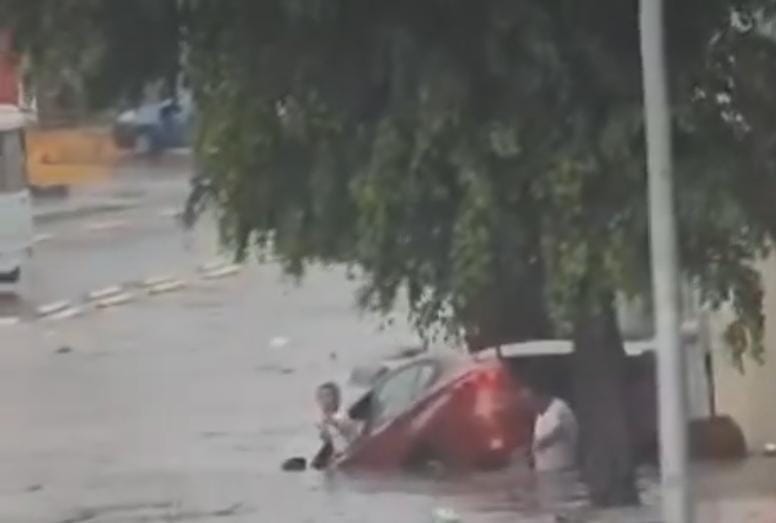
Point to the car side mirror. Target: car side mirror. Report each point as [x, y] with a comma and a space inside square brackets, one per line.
[362, 409]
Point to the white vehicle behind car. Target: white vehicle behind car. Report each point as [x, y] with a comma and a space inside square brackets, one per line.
[16, 229]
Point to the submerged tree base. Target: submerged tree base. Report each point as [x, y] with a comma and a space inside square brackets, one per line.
[599, 370]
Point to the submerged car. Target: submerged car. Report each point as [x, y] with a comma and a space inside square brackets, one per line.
[457, 411]
[465, 411]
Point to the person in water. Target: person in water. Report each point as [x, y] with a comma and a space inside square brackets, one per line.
[554, 446]
[337, 431]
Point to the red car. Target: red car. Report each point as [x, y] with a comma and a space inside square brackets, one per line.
[465, 411]
[458, 411]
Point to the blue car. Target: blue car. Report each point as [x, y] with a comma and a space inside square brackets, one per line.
[154, 127]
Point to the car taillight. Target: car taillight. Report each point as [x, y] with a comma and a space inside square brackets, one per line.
[483, 378]
[496, 443]
[487, 377]
[485, 385]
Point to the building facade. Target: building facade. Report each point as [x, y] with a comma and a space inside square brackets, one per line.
[748, 396]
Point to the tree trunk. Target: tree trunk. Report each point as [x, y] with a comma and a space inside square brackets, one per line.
[599, 369]
[511, 311]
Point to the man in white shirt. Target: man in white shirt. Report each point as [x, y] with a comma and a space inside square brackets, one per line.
[336, 429]
[554, 446]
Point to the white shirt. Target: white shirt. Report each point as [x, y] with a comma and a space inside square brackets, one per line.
[562, 454]
[341, 431]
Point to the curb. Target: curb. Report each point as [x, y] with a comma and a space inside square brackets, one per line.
[172, 213]
[223, 272]
[53, 308]
[278, 342]
[127, 292]
[105, 292]
[9, 321]
[108, 225]
[112, 301]
[50, 215]
[167, 286]
[66, 314]
[212, 265]
[155, 281]
[42, 237]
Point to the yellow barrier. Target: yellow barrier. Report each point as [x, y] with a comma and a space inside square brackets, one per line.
[69, 156]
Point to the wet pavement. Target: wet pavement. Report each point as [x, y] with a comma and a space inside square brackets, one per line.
[180, 406]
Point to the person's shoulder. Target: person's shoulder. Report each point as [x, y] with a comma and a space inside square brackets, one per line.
[343, 419]
[564, 413]
[559, 405]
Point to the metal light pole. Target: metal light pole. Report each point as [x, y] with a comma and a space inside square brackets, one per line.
[672, 390]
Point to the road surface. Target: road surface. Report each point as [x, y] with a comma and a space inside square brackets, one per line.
[180, 406]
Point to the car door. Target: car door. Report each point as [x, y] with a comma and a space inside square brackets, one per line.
[386, 441]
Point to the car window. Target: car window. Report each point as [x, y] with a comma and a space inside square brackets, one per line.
[12, 165]
[395, 394]
[426, 374]
[399, 391]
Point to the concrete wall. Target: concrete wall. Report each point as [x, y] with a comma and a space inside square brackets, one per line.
[750, 398]
[636, 324]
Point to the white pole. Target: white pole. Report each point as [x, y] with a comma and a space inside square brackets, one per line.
[672, 391]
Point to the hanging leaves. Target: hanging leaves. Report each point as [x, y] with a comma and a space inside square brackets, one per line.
[483, 159]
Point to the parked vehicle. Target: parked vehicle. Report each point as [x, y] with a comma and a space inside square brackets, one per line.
[16, 232]
[154, 127]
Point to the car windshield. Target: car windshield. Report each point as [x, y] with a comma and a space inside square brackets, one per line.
[398, 392]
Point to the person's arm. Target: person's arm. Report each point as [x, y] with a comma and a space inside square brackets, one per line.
[348, 428]
[551, 438]
[324, 432]
[557, 430]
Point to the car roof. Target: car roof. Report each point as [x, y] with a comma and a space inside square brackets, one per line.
[448, 361]
[445, 358]
[689, 331]
[557, 348]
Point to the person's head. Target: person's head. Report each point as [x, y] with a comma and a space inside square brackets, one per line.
[328, 397]
[536, 397]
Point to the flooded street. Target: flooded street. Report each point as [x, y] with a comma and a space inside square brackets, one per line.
[180, 406]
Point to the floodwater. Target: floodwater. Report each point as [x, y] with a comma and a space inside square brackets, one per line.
[181, 406]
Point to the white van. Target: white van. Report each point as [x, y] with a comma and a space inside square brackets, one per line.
[16, 231]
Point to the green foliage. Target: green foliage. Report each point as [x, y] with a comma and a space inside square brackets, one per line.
[113, 48]
[481, 158]
[475, 142]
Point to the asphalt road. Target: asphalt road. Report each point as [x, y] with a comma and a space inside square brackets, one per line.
[180, 406]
